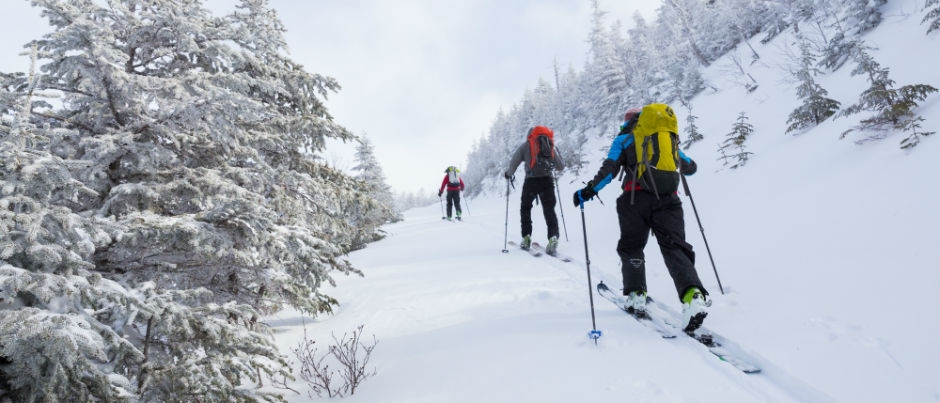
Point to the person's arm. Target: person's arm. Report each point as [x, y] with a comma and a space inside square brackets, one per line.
[611, 164]
[687, 166]
[559, 160]
[514, 162]
[443, 184]
[461, 184]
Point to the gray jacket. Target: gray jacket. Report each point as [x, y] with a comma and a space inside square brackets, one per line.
[523, 154]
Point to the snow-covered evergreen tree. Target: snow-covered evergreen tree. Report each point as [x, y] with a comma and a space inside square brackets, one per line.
[684, 14]
[70, 334]
[569, 129]
[893, 107]
[167, 199]
[779, 16]
[640, 55]
[692, 134]
[683, 74]
[864, 15]
[732, 149]
[730, 23]
[837, 51]
[608, 71]
[49, 350]
[845, 23]
[383, 210]
[816, 106]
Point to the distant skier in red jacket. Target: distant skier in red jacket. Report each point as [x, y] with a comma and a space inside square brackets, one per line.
[454, 184]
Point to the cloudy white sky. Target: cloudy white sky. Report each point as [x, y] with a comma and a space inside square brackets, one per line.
[423, 79]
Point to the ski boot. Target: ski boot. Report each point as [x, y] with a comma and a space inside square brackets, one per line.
[693, 309]
[526, 242]
[635, 303]
[552, 247]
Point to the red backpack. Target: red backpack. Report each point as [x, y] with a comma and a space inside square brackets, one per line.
[541, 146]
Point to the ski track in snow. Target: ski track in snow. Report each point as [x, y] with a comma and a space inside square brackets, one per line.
[431, 297]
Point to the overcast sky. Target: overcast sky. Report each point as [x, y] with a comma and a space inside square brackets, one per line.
[423, 79]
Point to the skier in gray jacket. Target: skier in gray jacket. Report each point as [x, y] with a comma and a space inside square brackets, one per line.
[541, 159]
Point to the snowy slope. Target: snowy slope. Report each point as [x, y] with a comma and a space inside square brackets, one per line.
[827, 251]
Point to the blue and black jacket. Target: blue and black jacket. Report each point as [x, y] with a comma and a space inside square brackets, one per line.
[622, 155]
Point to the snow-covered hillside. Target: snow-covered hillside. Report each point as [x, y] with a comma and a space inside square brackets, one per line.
[827, 251]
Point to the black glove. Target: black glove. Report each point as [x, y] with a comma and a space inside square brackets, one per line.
[439, 193]
[507, 175]
[585, 194]
[687, 168]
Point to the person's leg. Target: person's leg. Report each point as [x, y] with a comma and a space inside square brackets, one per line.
[457, 203]
[669, 227]
[668, 223]
[525, 207]
[450, 203]
[634, 233]
[547, 196]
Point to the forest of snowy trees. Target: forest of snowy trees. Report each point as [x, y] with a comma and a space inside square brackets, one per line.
[161, 191]
[663, 60]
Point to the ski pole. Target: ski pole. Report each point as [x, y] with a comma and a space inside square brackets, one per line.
[594, 334]
[560, 204]
[685, 185]
[442, 206]
[506, 233]
[468, 204]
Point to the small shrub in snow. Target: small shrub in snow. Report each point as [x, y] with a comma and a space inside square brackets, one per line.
[350, 355]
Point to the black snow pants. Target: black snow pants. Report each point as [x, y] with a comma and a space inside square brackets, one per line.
[664, 216]
[544, 189]
[453, 200]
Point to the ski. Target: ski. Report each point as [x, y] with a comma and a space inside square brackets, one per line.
[718, 345]
[532, 251]
[663, 316]
[560, 256]
[664, 329]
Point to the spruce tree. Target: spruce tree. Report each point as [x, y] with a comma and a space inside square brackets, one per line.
[732, 149]
[932, 18]
[864, 15]
[816, 107]
[607, 68]
[692, 134]
[838, 50]
[51, 349]
[381, 209]
[893, 107]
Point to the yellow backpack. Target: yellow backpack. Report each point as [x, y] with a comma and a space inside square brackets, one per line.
[657, 149]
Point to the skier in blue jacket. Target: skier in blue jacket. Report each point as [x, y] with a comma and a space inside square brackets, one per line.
[640, 210]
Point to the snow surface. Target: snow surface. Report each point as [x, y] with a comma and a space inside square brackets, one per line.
[827, 251]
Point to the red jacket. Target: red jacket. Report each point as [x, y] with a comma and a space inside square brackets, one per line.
[450, 187]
